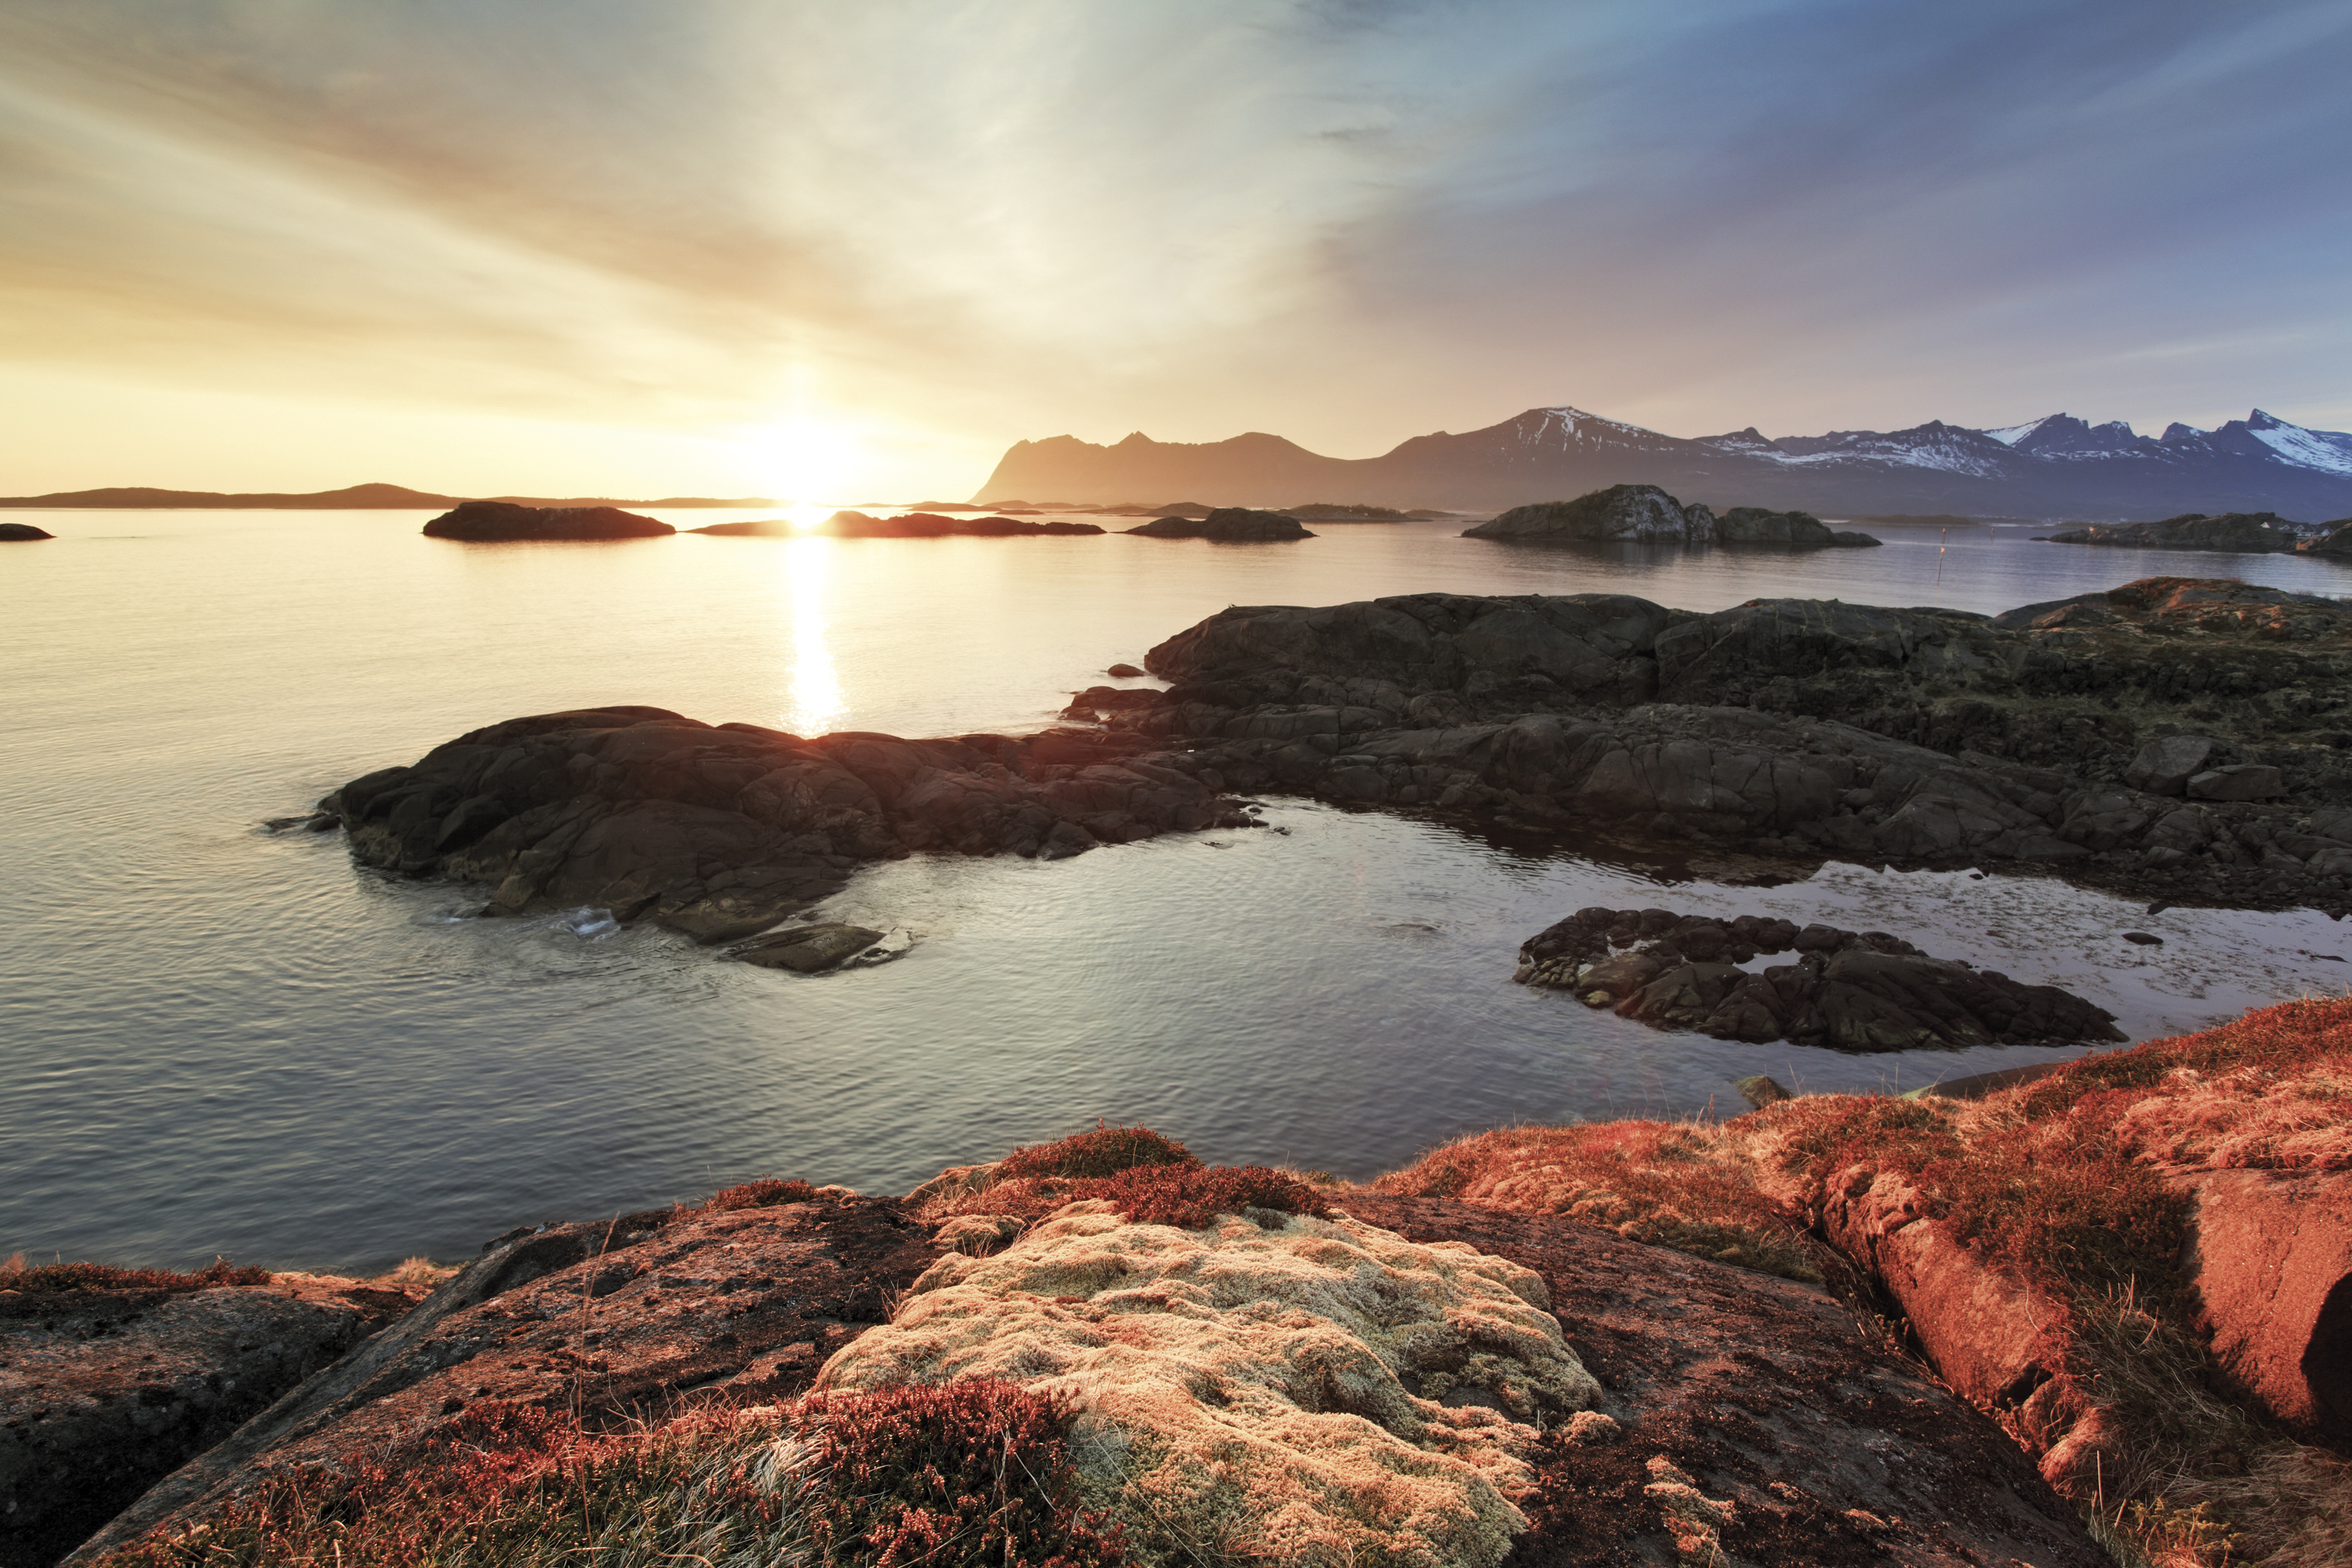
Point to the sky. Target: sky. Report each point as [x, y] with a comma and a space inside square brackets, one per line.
[823, 250]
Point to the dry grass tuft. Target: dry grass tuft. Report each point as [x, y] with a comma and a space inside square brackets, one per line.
[765, 1192]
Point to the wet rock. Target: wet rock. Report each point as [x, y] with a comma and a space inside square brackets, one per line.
[808, 950]
[1122, 672]
[22, 531]
[484, 521]
[1227, 525]
[721, 832]
[1098, 701]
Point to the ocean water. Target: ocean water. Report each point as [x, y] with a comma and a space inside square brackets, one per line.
[219, 1039]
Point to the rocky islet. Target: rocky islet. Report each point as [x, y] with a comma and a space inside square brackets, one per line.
[1850, 991]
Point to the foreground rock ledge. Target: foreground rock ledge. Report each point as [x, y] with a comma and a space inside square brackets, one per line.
[722, 831]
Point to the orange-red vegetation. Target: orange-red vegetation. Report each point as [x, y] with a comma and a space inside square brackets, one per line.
[1687, 1185]
[921, 1473]
[1105, 1152]
[16, 1275]
[765, 1192]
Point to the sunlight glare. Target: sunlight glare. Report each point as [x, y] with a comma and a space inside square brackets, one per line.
[814, 686]
[804, 460]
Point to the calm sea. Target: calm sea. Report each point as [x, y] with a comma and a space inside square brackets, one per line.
[214, 1039]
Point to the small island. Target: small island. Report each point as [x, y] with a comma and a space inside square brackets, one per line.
[498, 521]
[1228, 525]
[1645, 514]
[908, 525]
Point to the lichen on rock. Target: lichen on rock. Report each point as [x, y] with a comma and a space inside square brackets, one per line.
[1318, 1388]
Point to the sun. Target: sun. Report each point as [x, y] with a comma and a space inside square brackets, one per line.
[806, 460]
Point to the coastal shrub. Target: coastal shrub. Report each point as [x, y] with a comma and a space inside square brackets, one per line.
[1681, 1184]
[16, 1275]
[973, 1472]
[1190, 1197]
[766, 1192]
[1105, 1152]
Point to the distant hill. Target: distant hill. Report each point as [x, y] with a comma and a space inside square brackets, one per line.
[352, 498]
[2050, 467]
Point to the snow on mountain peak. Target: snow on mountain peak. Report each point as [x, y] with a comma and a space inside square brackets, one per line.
[2010, 435]
[2329, 451]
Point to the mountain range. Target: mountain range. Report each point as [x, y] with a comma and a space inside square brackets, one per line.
[2058, 467]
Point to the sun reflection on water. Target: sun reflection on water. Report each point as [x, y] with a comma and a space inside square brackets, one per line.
[813, 687]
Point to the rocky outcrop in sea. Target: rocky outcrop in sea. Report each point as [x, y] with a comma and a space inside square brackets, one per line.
[1645, 514]
[2236, 532]
[1810, 729]
[1227, 525]
[22, 532]
[498, 522]
[907, 525]
[722, 831]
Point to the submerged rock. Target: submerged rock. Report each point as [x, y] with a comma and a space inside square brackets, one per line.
[809, 948]
[1229, 525]
[488, 521]
[1846, 990]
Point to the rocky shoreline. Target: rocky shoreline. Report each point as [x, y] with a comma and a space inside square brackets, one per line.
[1672, 1340]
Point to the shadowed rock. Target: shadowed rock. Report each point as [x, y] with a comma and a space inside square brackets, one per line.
[808, 950]
[1645, 514]
[1229, 525]
[23, 532]
[1808, 727]
[2236, 532]
[908, 525]
[490, 522]
[721, 832]
[1849, 991]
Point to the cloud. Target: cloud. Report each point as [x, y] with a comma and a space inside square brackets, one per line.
[1342, 219]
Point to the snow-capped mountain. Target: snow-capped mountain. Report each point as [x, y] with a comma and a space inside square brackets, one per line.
[2055, 467]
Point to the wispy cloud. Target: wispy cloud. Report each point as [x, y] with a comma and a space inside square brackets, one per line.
[1342, 219]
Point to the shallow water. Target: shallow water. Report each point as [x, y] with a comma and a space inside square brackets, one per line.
[218, 1039]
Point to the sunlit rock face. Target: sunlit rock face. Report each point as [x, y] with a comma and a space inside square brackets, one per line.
[1321, 1388]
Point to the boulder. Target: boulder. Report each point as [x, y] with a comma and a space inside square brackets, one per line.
[1122, 672]
[24, 531]
[1227, 525]
[2239, 781]
[2272, 1264]
[1621, 514]
[2236, 533]
[722, 831]
[2166, 766]
[809, 948]
[485, 522]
